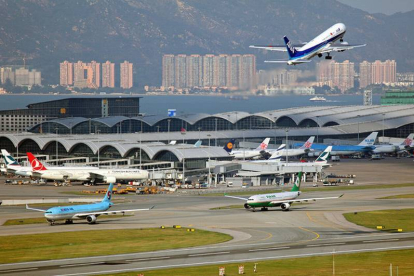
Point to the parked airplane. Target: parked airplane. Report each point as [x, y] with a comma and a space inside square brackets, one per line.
[305, 148]
[395, 147]
[323, 43]
[245, 153]
[12, 166]
[90, 212]
[84, 173]
[322, 160]
[283, 200]
[366, 146]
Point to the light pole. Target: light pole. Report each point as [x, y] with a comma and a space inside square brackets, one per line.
[199, 133]
[287, 146]
[140, 150]
[57, 152]
[169, 120]
[209, 170]
[317, 130]
[358, 126]
[383, 127]
[215, 142]
[97, 132]
[158, 130]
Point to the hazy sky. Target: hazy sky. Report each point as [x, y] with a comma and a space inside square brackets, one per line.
[381, 6]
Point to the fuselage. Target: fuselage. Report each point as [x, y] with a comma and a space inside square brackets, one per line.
[241, 154]
[265, 200]
[68, 212]
[319, 43]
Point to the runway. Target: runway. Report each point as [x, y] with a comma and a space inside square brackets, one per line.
[307, 230]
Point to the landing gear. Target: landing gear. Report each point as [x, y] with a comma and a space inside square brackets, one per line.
[341, 40]
[264, 209]
[320, 55]
[68, 221]
[328, 56]
[51, 222]
[253, 210]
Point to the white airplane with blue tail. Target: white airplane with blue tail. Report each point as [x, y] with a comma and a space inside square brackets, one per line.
[325, 43]
[90, 212]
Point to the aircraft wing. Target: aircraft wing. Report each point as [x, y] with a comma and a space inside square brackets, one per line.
[81, 215]
[280, 48]
[305, 199]
[34, 209]
[341, 47]
[236, 197]
[290, 62]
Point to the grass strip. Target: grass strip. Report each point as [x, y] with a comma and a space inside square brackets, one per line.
[25, 221]
[390, 219]
[398, 196]
[367, 264]
[38, 247]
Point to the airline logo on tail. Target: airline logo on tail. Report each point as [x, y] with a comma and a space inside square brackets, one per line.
[35, 163]
[409, 140]
[108, 195]
[323, 158]
[308, 144]
[370, 140]
[296, 186]
[229, 146]
[8, 159]
[291, 50]
[264, 144]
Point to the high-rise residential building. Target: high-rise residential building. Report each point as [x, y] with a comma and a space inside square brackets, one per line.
[168, 71]
[108, 74]
[232, 71]
[66, 73]
[377, 72]
[24, 77]
[80, 74]
[336, 74]
[180, 71]
[94, 80]
[126, 75]
[7, 73]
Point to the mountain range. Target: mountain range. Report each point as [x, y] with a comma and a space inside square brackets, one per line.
[48, 32]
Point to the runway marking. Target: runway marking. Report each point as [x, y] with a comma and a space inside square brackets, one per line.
[147, 259]
[317, 235]
[326, 244]
[314, 245]
[269, 235]
[271, 248]
[18, 270]
[324, 224]
[69, 265]
[208, 254]
[239, 260]
[381, 240]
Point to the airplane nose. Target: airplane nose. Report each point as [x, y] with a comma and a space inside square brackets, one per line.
[342, 26]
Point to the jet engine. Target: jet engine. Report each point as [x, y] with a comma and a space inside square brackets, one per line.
[110, 179]
[285, 206]
[91, 219]
[246, 206]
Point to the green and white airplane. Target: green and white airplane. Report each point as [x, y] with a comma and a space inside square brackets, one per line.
[283, 200]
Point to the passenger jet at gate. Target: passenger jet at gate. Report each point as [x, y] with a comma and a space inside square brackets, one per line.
[325, 43]
[90, 212]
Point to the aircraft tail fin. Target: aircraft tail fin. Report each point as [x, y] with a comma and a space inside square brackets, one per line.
[229, 146]
[35, 163]
[308, 144]
[323, 157]
[370, 140]
[264, 144]
[407, 142]
[290, 49]
[282, 146]
[198, 144]
[296, 186]
[108, 195]
[8, 159]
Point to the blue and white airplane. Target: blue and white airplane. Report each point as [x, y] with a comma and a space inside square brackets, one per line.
[90, 212]
[322, 44]
[366, 146]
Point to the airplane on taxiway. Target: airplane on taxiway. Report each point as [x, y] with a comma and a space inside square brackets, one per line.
[90, 212]
[325, 43]
[283, 200]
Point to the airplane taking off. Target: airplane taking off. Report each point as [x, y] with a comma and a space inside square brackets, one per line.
[90, 212]
[283, 200]
[323, 43]
[243, 154]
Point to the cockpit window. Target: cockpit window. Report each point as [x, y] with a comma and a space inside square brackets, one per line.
[49, 212]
